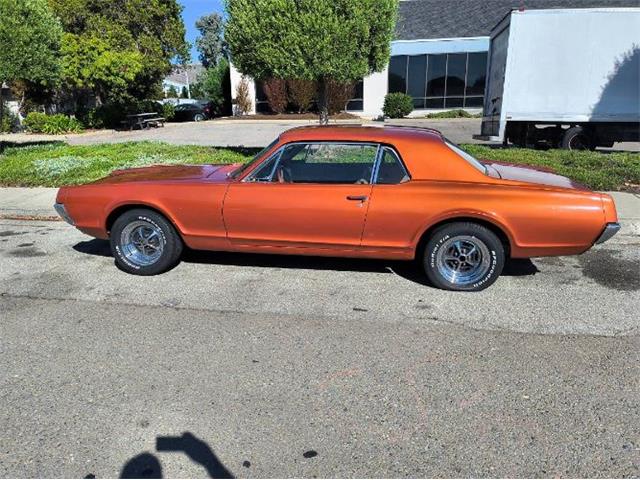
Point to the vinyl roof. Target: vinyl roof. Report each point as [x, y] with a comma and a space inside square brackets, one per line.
[429, 19]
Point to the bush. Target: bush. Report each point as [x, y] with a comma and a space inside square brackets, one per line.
[302, 93]
[275, 89]
[397, 105]
[9, 121]
[457, 113]
[214, 85]
[339, 95]
[168, 111]
[243, 99]
[37, 122]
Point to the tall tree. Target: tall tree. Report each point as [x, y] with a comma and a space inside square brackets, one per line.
[120, 48]
[321, 40]
[29, 42]
[210, 44]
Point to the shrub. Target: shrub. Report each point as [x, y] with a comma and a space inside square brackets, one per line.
[275, 90]
[457, 113]
[214, 85]
[243, 99]
[168, 111]
[397, 105]
[302, 93]
[37, 122]
[339, 95]
[9, 121]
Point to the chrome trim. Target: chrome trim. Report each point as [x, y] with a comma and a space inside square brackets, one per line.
[609, 231]
[60, 210]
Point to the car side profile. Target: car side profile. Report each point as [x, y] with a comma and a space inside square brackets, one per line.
[387, 192]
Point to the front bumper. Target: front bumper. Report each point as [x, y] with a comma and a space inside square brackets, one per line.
[609, 231]
[59, 208]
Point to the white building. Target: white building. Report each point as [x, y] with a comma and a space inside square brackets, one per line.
[182, 78]
[439, 55]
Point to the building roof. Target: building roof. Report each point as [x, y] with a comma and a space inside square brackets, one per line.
[179, 75]
[425, 19]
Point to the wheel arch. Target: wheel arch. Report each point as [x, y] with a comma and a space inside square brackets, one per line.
[125, 207]
[499, 230]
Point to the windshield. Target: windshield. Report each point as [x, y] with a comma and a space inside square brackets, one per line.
[242, 168]
[468, 157]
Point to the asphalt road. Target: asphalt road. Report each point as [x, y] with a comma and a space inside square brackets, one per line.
[291, 366]
[252, 133]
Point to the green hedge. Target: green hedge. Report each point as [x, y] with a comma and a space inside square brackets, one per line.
[37, 122]
[397, 105]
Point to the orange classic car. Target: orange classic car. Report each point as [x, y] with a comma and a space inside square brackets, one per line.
[352, 191]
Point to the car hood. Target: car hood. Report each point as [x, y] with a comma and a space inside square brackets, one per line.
[528, 174]
[164, 173]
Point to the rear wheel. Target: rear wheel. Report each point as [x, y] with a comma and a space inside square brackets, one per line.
[198, 117]
[143, 242]
[463, 256]
[577, 138]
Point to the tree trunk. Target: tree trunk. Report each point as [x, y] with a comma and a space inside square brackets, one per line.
[1, 106]
[323, 101]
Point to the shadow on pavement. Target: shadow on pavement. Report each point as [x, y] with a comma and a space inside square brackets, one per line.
[408, 270]
[147, 465]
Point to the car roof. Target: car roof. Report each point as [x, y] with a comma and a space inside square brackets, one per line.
[361, 133]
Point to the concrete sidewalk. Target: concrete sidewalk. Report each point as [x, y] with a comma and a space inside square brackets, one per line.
[37, 203]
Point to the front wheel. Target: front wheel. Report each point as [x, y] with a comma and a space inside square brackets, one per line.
[198, 117]
[143, 242]
[464, 257]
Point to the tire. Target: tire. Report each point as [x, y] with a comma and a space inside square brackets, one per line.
[198, 117]
[577, 138]
[446, 263]
[143, 242]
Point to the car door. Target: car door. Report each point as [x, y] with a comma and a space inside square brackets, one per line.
[307, 194]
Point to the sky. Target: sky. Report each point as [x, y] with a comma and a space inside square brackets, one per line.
[194, 9]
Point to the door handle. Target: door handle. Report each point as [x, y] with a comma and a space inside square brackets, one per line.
[357, 198]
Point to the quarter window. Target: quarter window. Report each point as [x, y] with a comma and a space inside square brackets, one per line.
[391, 170]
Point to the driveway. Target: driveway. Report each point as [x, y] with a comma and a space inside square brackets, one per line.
[293, 366]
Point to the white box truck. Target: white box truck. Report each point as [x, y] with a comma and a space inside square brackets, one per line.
[565, 78]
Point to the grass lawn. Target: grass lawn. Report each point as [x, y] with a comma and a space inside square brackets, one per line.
[55, 164]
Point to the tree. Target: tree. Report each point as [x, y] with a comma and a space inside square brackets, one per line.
[172, 92]
[243, 99]
[341, 40]
[214, 84]
[275, 90]
[210, 44]
[120, 49]
[301, 93]
[29, 43]
[184, 93]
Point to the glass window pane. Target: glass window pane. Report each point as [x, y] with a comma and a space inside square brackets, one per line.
[260, 95]
[327, 163]
[473, 102]
[476, 73]
[355, 105]
[391, 170]
[436, 75]
[358, 91]
[417, 76]
[418, 103]
[435, 103]
[397, 74]
[453, 102]
[456, 66]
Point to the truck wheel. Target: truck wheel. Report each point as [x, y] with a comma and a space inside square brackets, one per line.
[463, 256]
[143, 242]
[577, 138]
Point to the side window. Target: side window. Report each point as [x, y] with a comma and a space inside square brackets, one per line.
[348, 163]
[391, 170]
[264, 173]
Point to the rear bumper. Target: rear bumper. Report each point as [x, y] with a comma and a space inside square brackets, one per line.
[62, 211]
[609, 231]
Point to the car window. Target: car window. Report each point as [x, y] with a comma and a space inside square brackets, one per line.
[391, 169]
[467, 156]
[338, 163]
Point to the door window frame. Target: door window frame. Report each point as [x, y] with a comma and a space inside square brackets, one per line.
[391, 148]
[249, 177]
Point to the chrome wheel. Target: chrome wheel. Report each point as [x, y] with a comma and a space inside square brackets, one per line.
[142, 243]
[463, 260]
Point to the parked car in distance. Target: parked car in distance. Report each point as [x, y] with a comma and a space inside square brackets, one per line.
[388, 192]
[193, 112]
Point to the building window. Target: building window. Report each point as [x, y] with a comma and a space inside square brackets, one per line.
[450, 80]
[356, 104]
[262, 105]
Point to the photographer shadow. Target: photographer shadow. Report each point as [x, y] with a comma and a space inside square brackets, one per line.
[147, 465]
